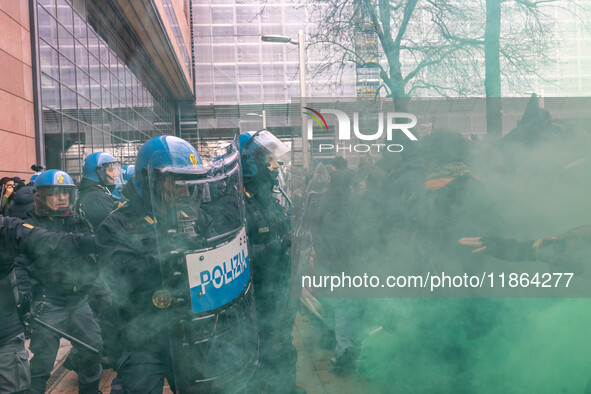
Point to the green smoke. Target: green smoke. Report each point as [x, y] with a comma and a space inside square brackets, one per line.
[511, 346]
[529, 189]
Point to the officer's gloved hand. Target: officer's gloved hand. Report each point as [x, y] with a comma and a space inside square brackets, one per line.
[182, 242]
[25, 299]
[85, 243]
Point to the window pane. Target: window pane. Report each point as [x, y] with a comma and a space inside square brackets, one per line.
[250, 93]
[49, 92]
[48, 58]
[79, 28]
[249, 73]
[222, 15]
[223, 34]
[64, 14]
[47, 27]
[66, 43]
[224, 73]
[247, 14]
[67, 73]
[68, 98]
[81, 56]
[224, 54]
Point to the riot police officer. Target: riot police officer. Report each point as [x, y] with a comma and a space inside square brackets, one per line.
[100, 174]
[15, 236]
[169, 326]
[268, 228]
[59, 284]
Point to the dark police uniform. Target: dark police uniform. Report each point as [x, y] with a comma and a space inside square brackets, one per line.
[15, 236]
[127, 246]
[95, 202]
[59, 288]
[15, 376]
[268, 229]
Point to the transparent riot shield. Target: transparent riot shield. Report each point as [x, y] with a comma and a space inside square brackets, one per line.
[307, 210]
[206, 279]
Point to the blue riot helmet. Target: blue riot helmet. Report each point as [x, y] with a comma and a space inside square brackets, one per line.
[127, 171]
[167, 174]
[35, 175]
[101, 168]
[126, 174]
[54, 193]
[261, 150]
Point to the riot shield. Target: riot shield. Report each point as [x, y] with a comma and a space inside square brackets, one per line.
[303, 221]
[206, 277]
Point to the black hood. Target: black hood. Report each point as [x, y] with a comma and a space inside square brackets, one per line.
[24, 195]
[23, 202]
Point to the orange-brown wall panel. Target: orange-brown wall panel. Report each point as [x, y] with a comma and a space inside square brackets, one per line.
[17, 122]
[184, 28]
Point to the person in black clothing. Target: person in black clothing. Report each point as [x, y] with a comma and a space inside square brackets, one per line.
[335, 246]
[18, 183]
[59, 284]
[7, 191]
[268, 229]
[23, 200]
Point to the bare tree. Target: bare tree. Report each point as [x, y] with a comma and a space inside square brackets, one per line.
[445, 48]
[518, 37]
[410, 42]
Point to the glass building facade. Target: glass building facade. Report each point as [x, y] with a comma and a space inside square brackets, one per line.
[237, 75]
[91, 97]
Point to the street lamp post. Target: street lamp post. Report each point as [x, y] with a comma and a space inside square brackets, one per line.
[302, 69]
[261, 115]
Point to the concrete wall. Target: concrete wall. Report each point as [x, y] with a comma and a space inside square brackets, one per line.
[17, 126]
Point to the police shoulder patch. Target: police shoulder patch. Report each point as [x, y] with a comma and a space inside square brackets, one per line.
[29, 226]
[149, 219]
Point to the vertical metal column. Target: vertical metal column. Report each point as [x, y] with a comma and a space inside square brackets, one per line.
[34, 31]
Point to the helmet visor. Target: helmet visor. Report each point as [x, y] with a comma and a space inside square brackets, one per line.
[208, 198]
[55, 200]
[110, 173]
[268, 148]
[174, 188]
